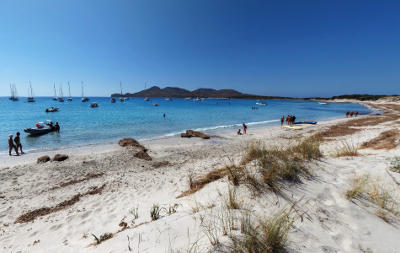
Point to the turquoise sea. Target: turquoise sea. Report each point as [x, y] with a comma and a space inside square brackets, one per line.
[82, 125]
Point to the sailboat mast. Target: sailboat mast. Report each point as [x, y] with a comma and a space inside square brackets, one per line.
[120, 86]
[69, 90]
[82, 88]
[30, 86]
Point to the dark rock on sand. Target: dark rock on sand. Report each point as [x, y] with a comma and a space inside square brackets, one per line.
[143, 155]
[130, 142]
[43, 159]
[191, 133]
[60, 157]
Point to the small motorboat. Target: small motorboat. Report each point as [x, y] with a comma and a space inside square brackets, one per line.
[155, 104]
[94, 105]
[188, 98]
[261, 103]
[52, 109]
[112, 100]
[121, 99]
[41, 129]
[84, 99]
[146, 99]
[168, 99]
[323, 103]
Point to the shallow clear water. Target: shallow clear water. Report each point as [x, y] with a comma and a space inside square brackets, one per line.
[81, 125]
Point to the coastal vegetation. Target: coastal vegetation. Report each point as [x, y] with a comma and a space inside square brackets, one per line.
[346, 148]
[366, 188]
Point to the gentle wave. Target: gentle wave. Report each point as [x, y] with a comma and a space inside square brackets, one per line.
[204, 129]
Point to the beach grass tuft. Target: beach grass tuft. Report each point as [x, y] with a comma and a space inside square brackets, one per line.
[269, 235]
[155, 212]
[346, 149]
[232, 202]
[102, 238]
[363, 187]
[395, 164]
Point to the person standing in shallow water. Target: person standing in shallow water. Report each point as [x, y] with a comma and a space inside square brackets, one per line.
[11, 145]
[282, 120]
[57, 127]
[17, 141]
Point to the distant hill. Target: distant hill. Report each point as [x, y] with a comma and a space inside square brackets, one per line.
[176, 92]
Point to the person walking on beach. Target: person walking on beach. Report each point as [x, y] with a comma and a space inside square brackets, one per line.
[282, 120]
[11, 145]
[244, 128]
[355, 114]
[17, 141]
[351, 114]
[347, 114]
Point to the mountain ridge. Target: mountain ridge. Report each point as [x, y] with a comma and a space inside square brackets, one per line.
[177, 92]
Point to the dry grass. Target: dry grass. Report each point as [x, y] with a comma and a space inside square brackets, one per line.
[308, 148]
[277, 164]
[358, 186]
[386, 140]
[235, 174]
[102, 238]
[76, 181]
[365, 188]
[269, 235]
[346, 149]
[196, 184]
[274, 164]
[336, 131]
[30, 216]
[395, 164]
[350, 127]
[232, 202]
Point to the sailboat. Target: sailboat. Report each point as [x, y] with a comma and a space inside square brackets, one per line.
[13, 93]
[55, 93]
[69, 93]
[84, 99]
[30, 98]
[121, 98]
[60, 97]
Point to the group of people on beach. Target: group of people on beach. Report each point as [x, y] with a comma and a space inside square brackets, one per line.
[239, 131]
[17, 146]
[351, 114]
[290, 119]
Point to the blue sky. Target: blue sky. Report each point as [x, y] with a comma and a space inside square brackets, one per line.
[285, 48]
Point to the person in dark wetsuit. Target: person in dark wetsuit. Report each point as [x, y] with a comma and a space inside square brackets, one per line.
[57, 127]
[17, 141]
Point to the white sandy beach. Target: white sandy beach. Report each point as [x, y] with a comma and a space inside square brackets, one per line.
[330, 221]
